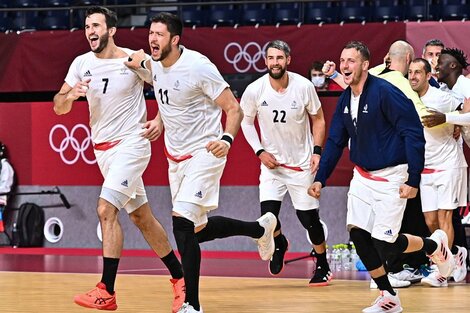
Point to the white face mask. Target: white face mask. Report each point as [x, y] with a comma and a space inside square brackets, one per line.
[318, 81]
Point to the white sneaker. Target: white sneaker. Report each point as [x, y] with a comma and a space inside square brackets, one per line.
[266, 243]
[409, 274]
[396, 283]
[460, 272]
[442, 256]
[435, 279]
[188, 308]
[385, 303]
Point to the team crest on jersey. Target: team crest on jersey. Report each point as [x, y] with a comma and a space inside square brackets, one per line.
[346, 110]
[366, 108]
[124, 71]
[293, 105]
[87, 74]
[176, 85]
[264, 104]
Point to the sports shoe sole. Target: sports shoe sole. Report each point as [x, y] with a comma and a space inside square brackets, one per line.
[91, 306]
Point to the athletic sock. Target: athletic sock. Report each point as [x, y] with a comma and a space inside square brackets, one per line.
[429, 246]
[173, 265]
[110, 266]
[321, 260]
[222, 227]
[384, 284]
[280, 241]
[188, 247]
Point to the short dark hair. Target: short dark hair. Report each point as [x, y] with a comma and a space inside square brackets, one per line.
[360, 47]
[458, 54]
[111, 16]
[172, 22]
[316, 66]
[434, 42]
[280, 45]
[426, 65]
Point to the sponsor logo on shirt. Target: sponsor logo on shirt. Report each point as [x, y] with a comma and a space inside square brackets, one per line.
[125, 183]
[264, 104]
[198, 194]
[87, 74]
[177, 85]
[366, 108]
[154, 77]
[346, 110]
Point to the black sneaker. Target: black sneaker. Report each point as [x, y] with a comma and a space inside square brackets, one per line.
[276, 264]
[321, 277]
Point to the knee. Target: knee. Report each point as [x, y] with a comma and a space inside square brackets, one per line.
[310, 220]
[274, 207]
[107, 213]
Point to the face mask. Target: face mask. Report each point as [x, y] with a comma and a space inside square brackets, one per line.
[318, 81]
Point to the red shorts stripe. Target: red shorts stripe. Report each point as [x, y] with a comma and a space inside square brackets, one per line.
[103, 146]
[294, 168]
[430, 171]
[176, 159]
[368, 175]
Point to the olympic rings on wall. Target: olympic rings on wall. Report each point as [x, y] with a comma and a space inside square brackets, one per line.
[243, 59]
[71, 142]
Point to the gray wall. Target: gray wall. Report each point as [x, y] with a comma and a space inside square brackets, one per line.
[80, 221]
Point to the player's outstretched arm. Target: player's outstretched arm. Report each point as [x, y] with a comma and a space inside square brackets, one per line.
[64, 99]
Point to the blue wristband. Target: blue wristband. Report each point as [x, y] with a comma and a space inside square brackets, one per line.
[335, 74]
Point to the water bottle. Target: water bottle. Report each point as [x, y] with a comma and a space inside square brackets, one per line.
[15, 236]
[354, 257]
[336, 258]
[345, 258]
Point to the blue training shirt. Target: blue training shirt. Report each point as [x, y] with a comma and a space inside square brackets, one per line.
[388, 132]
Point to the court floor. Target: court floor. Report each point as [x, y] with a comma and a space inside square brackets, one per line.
[46, 281]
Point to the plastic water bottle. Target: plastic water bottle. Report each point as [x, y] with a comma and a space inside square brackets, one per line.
[14, 236]
[354, 257]
[337, 258]
[345, 258]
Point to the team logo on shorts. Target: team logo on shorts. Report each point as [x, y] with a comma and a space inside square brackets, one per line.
[198, 194]
[388, 232]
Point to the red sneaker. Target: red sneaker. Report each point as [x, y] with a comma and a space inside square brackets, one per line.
[179, 293]
[97, 298]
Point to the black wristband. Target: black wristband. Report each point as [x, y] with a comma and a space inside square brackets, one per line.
[227, 138]
[317, 150]
[258, 153]
[142, 64]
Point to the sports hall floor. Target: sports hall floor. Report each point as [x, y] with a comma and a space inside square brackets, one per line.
[45, 280]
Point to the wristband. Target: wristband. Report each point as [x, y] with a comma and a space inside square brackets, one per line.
[142, 64]
[335, 74]
[317, 150]
[258, 153]
[227, 138]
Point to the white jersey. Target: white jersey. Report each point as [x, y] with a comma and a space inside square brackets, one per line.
[115, 96]
[461, 89]
[283, 118]
[442, 150]
[185, 93]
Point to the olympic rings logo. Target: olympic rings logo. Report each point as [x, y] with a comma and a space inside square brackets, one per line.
[70, 141]
[242, 60]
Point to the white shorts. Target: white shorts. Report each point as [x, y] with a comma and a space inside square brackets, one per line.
[122, 166]
[276, 182]
[374, 202]
[444, 190]
[196, 180]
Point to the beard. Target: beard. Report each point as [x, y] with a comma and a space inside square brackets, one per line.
[103, 43]
[278, 75]
[165, 52]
